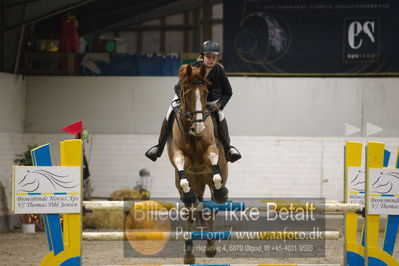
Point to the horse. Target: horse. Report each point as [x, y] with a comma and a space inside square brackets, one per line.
[199, 160]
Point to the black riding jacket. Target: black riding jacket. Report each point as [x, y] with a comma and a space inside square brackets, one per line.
[220, 88]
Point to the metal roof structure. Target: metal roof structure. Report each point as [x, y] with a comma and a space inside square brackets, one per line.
[93, 15]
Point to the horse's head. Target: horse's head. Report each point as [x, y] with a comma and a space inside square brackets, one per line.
[193, 95]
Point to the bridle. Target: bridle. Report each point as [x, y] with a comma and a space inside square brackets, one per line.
[189, 115]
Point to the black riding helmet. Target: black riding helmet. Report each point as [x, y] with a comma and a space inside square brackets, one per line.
[210, 47]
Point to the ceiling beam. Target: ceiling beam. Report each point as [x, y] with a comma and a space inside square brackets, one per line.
[156, 27]
[206, 25]
[176, 7]
[18, 4]
[197, 30]
[103, 20]
[48, 15]
[186, 34]
[107, 8]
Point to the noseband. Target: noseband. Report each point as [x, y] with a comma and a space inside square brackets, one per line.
[189, 114]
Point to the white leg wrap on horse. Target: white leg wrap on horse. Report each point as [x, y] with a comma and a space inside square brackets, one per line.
[213, 157]
[179, 162]
[185, 185]
[217, 179]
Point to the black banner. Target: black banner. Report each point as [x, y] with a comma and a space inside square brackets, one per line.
[311, 37]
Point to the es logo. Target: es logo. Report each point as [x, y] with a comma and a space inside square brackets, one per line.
[361, 39]
[355, 36]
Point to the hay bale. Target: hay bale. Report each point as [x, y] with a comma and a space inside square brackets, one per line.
[107, 219]
[110, 219]
[113, 219]
[125, 194]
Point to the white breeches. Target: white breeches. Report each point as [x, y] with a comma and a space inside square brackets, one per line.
[175, 104]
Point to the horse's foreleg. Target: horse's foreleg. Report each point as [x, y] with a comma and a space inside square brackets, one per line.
[189, 257]
[189, 195]
[210, 249]
[220, 192]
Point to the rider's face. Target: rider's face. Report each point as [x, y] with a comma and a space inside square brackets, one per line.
[210, 60]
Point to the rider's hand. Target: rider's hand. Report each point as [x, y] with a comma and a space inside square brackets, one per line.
[215, 107]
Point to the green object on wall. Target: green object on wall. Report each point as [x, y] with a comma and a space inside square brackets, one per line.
[85, 134]
[110, 46]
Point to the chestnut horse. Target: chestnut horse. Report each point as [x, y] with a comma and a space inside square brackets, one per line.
[198, 159]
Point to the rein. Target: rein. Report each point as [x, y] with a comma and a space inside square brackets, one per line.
[189, 114]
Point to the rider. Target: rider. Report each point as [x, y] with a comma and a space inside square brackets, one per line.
[219, 95]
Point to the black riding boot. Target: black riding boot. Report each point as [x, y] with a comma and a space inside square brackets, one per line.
[232, 154]
[156, 151]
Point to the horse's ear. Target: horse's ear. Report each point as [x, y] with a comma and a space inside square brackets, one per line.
[189, 70]
[203, 71]
[182, 70]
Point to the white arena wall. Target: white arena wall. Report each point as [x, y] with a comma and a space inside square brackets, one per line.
[12, 116]
[291, 131]
[259, 106]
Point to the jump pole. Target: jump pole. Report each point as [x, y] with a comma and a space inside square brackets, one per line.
[265, 235]
[327, 207]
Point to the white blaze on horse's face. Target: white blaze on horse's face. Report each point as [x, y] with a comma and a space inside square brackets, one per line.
[198, 127]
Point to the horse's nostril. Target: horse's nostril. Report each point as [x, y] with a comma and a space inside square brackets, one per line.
[192, 129]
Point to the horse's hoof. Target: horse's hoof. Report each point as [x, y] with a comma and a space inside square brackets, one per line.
[221, 195]
[210, 250]
[190, 197]
[189, 258]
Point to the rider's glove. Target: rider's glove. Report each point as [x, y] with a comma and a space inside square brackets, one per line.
[215, 107]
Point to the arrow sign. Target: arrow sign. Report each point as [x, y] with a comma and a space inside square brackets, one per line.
[372, 129]
[350, 130]
[74, 128]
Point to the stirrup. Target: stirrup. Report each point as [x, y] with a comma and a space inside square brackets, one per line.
[153, 156]
[232, 157]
